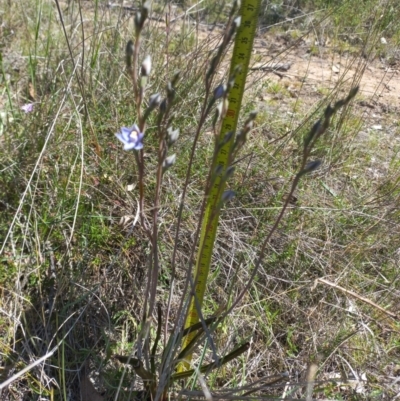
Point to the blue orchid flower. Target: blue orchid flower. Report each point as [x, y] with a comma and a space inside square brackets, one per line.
[131, 137]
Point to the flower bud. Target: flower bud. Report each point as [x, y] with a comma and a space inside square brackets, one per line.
[229, 172]
[222, 107]
[315, 131]
[310, 167]
[138, 22]
[154, 101]
[218, 170]
[227, 137]
[226, 104]
[219, 91]
[252, 116]
[164, 106]
[141, 17]
[227, 196]
[213, 65]
[146, 66]
[170, 91]
[219, 108]
[249, 125]
[237, 22]
[146, 8]
[175, 78]
[129, 50]
[241, 138]
[231, 82]
[172, 136]
[236, 4]
[169, 162]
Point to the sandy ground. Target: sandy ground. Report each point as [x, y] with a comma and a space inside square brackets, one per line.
[379, 82]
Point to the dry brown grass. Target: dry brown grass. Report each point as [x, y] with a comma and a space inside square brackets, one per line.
[73, 278]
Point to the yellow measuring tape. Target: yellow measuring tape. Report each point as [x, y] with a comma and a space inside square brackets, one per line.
[242, 50]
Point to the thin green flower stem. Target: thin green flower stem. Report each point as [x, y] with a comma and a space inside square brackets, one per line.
[263, 248]
[151, 287]
[139, 157]
[134, 72]
[155, 267]
[268, 238]
[190, 282]
[216, 209]
[139, 162]
[187, 178]
[203, 116]
[325, 122]
[153, 263]
[180, 319]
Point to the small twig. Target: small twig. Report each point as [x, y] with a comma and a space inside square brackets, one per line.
[273, 67]
[355, 295]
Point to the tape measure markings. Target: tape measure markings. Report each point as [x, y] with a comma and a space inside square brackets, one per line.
[241, 57]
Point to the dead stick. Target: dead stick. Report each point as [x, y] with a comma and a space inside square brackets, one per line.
[367, 301]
